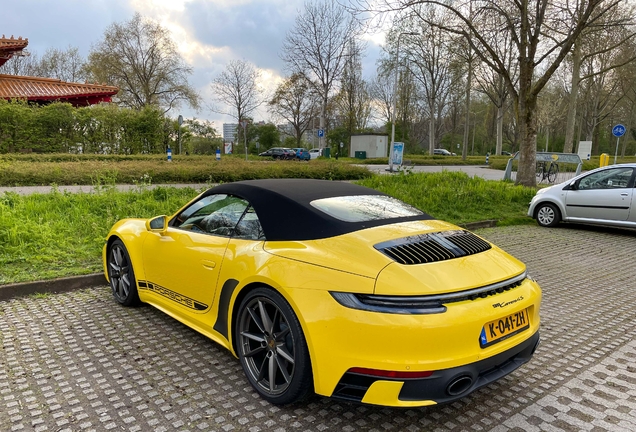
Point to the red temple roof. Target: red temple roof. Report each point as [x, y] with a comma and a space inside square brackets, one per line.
[11, 46]
[43, 90]
[51, 89]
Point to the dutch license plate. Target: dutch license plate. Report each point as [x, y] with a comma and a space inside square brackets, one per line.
[502, 328]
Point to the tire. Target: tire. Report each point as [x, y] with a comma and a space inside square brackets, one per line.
[540, 171]
[548, 215]
[272, 348]
[121, 275]
[553, 172]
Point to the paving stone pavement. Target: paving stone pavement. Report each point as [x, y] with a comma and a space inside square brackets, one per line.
[80, 362]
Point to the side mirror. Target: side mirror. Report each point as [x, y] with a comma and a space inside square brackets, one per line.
[157, 224]
[574, 185]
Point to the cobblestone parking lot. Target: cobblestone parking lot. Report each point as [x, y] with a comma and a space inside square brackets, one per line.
[78, 361]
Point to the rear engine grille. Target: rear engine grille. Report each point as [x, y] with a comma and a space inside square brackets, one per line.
[426, 248]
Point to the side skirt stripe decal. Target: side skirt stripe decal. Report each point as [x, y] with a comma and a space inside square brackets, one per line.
[176, 297]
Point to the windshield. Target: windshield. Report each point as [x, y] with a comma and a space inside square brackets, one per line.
[362, 208]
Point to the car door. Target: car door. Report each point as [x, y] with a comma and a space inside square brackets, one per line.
[602, 195]
[182, 264]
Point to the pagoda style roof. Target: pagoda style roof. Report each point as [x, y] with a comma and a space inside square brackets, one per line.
[10, 47]
[44, 90]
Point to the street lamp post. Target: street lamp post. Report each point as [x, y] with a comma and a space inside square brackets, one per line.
[395, 86]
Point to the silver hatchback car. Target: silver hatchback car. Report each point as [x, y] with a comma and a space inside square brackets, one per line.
[604, 196]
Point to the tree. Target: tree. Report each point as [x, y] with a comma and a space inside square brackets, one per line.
[295, 102]
[353, 101]
[267, 135]
[602, 45]
[25, 64]
[66, 65]
[140, 58]
[431, 61]
[201, 137]
[491, 83]
[237, 88]
[543, 33]
[381, 90]
[318, 46]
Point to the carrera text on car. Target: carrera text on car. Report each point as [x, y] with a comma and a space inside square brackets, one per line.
[604, 196]
[372, 301]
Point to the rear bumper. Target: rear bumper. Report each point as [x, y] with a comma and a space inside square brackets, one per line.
[442, 386]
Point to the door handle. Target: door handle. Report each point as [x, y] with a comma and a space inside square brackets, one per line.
[208, 264]
[624, 194]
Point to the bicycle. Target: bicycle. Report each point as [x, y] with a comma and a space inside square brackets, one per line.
[547, 172]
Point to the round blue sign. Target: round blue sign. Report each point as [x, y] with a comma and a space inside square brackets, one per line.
[618, 130]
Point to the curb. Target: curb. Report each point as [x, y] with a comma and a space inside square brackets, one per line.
[72, 283]
[481, 224]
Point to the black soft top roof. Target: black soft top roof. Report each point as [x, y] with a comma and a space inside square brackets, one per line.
[284, 210]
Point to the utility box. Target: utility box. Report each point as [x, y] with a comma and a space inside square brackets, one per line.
[373, 145]
[326, 152]
[361, 154]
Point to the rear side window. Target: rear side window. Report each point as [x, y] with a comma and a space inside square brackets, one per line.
[362, 208]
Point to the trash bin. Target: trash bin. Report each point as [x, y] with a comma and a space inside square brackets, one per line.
[326, 152]
[360, 154]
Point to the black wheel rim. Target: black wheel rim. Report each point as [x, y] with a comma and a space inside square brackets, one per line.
[119, 269]
[267, 346]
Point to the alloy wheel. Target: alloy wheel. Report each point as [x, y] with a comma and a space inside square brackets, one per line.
[119, 272]
[267, 346]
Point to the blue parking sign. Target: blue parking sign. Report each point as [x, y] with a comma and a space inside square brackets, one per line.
[321, 133]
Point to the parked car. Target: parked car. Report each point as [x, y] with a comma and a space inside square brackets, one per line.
[373, 301]
[315, 153]
[302, 153]
[279, 153]
[604, 196]
[443, 152]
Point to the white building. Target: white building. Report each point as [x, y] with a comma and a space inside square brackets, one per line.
[374, 144]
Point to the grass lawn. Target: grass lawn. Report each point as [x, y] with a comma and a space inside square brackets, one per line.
[44, 236]
[70, 169]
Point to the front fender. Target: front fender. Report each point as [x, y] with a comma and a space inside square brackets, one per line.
[132, 232]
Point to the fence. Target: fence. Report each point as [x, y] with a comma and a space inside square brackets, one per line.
[552, 168]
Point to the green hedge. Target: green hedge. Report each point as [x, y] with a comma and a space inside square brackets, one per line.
[59, 127]
[83, 169]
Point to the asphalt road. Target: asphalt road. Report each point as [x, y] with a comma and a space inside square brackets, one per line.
[79, 362]
[472, 170]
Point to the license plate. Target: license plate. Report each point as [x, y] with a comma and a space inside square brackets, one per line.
[502, 328]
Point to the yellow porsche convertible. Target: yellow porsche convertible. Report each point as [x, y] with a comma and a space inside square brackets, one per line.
[333, 288]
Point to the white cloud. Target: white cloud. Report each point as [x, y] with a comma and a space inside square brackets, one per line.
[208, 33]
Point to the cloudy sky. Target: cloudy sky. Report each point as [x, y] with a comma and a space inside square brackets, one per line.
[209, 33]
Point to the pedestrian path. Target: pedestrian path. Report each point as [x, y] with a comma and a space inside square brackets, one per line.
[28, 190]
[472, 170]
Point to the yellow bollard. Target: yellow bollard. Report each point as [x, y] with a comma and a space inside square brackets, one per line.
[604, 160]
